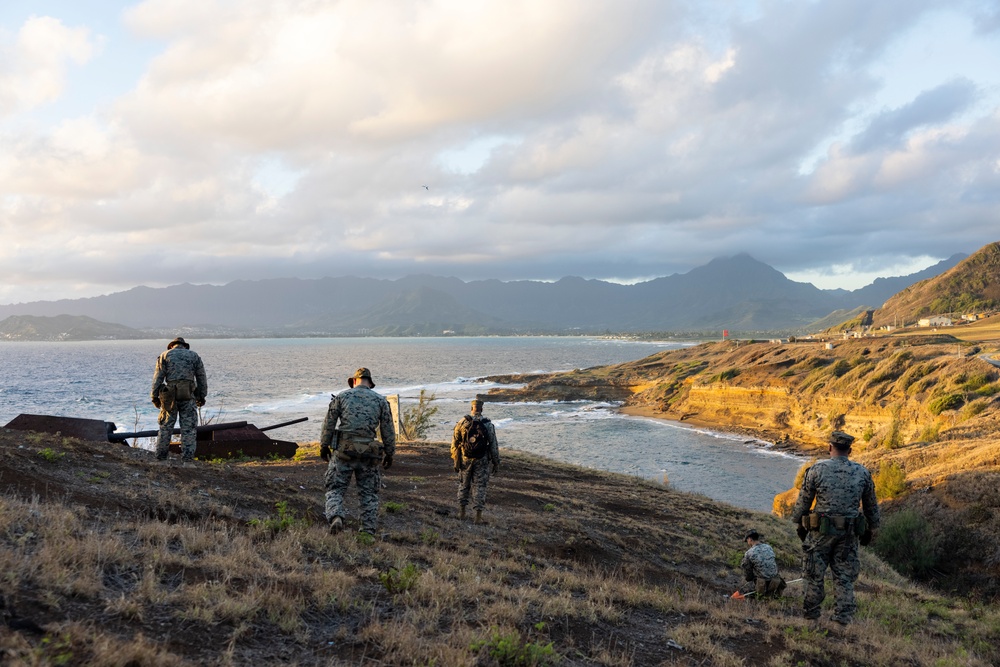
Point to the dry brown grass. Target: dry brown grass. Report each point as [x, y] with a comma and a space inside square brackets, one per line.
[622, 572]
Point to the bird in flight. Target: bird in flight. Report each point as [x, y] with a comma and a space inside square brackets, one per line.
[425, 187]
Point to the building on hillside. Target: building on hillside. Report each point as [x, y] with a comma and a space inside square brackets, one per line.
[972, 317]
[936, 321]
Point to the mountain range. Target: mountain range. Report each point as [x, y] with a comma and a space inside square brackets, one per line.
[738, 293]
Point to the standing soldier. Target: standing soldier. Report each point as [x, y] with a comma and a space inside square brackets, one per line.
[179, 388]
[830, 532]
[760, 568]
[476, 454]
[352, 449]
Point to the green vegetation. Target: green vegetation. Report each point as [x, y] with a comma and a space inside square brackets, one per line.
[400, 581]
[416, 421]
[907, 542]
[286, 519]
[890, 481]
[946, 402]
[509, 650]
[50, 455]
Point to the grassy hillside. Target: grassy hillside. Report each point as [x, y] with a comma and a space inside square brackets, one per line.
[971, 286]
[109, 558]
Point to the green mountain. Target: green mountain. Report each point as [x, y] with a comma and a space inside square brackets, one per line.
[65, 327]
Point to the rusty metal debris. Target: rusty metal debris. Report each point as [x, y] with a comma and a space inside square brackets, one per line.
[215, 441]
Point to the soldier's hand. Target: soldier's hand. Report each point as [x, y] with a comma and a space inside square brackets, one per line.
[801, 532]
[387, 461]
[458, 466]
[495, 468]
[324, 453]
[867, 537]
[200, 402]
[156, 401]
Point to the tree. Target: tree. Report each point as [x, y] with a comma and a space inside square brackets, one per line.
[417, 420]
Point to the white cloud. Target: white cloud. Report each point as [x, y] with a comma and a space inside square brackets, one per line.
[33, 66]
[596, 139]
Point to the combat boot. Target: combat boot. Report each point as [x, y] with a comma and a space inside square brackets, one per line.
[461, 512]
[479, 516]
[336, 525]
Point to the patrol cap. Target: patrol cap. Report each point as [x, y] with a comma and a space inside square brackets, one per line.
[477, 403]
[841, 440]
[359, 374]
[751, 534]
[178, 341]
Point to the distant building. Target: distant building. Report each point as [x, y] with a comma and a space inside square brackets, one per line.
[936, 321]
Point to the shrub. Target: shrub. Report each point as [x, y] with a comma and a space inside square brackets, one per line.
[840, 368]
[973, 409]
[729, 374]
[977, 380]
[286, 519]
[510, 651]
[907, 542]
[988, 390]
[890, 481]
[400, 581]
[417, 420]
[946, 402]
[50, 455]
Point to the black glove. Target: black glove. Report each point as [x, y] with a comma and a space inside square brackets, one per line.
[801, 532]
[200, 402]
[866, 537]
[156, 401]
[387, 461]
[458, 465]
[495, 467]
[324, 453]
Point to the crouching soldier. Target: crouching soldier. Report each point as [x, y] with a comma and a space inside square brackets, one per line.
[475, 453]
[760, 568]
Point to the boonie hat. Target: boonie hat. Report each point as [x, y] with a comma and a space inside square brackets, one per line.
[841, 440]
[359, 374]
[178, 341]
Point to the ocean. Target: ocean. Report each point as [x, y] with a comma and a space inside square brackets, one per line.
[270, 381]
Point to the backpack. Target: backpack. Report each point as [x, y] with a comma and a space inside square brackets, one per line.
[476, 443]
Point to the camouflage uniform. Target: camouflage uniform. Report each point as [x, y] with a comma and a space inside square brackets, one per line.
[176, 366]
[761, 570]
[474, 472]
[361, 413]
[838, 486]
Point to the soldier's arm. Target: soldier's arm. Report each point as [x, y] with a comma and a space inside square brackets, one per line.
[330, 423]
[201, 380]
[494, 446]
[158, 375]
[386, 428]
[806, 496]
[869, 504]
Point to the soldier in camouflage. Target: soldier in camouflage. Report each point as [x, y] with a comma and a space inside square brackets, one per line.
[348, 442]
[179, 389]
[474, 471]
[760, 568]
[831, 530]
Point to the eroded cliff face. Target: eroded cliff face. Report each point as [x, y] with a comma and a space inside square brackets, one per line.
[887, 392]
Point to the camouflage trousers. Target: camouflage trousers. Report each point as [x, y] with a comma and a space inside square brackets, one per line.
[188, 413]
[474, 473]
[369, 482]
[840, 554]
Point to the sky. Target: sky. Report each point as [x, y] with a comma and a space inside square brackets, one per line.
[205, 141]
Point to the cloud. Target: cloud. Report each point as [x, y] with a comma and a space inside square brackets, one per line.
[33, 66]
[559, 138]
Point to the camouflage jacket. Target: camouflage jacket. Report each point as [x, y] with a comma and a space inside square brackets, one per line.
[180, 363]
[458, 437]
[838, 486]
[758, 562]
[362, 413]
